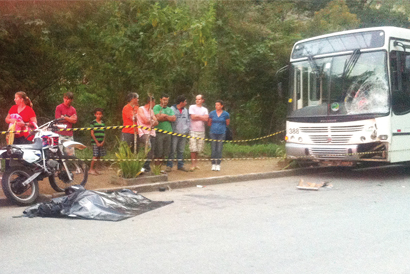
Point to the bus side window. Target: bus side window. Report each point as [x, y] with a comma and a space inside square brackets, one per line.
[400, 79]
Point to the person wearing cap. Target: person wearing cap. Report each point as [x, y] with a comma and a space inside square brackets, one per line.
[129, 114]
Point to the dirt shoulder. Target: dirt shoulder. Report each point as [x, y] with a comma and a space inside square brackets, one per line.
[227, 168]
[237, 167]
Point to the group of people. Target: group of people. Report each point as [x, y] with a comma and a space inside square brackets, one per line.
[159, 146]
[22, 118]
[163, 146]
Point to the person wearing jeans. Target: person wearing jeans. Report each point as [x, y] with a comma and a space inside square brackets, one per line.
[178, 147]
[180, 126]
[216, 148]
[218, 121]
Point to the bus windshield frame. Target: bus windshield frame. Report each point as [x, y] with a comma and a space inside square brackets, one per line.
[339, 43]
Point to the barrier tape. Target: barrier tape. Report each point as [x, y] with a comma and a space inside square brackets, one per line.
[156, 129]
[310, 157]
[154, 160]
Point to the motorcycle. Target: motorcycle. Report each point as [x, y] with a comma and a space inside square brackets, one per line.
[44, 158]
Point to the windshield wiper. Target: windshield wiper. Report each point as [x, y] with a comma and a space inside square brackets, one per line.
[315, 68]
[318, 72]
[351, 63]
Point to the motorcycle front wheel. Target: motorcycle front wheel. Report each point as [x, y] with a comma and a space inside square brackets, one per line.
[70, 171]
[13, 188]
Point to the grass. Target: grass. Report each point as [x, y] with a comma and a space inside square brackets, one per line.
[243, 150]
[156, 169]
[87, 153]
[253, 151]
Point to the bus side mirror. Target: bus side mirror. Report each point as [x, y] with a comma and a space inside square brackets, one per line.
[280, 73]
[280, 90]
[407, 63]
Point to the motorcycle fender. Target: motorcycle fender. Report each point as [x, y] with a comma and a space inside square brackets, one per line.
[74, 144]
[31, 156]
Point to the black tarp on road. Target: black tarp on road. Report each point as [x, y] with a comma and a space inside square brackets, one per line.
[95, 205]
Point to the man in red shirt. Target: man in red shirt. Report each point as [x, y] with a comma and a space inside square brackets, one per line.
[129, 113]
[68, 112]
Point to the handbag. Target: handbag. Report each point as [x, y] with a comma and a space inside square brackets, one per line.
[228, 134]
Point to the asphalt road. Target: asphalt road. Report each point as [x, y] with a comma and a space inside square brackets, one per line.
[361, 225]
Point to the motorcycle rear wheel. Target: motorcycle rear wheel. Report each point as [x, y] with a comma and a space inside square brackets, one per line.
[12, 181]
[78, 170]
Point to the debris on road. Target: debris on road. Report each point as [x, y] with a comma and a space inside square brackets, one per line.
[312, 186]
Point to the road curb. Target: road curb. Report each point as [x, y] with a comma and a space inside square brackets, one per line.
[218, 180]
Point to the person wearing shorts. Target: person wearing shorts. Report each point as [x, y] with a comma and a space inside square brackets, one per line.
[199, 116]
[98, 139]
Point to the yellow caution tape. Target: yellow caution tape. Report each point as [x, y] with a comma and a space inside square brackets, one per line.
[210, 159]
[156, 129]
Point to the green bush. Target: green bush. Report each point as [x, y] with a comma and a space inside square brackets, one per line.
[129, 163]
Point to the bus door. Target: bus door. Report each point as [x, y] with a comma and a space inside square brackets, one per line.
[400, 87]
[298, 88]
[314, 96]
[306, 90]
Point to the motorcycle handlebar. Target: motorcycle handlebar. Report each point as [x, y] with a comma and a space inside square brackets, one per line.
[52, 124]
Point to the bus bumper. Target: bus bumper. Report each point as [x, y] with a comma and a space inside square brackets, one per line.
[335, 152]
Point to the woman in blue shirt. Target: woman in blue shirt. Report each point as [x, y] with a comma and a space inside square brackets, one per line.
[218, 121]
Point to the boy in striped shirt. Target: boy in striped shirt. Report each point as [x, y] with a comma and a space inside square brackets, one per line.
[98, 139]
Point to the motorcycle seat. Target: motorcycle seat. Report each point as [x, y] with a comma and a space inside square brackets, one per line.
[37, 145]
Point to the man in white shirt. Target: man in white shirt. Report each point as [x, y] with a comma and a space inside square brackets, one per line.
[199, 116]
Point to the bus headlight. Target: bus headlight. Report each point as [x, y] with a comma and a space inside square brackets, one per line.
[383, 137]
[362, 138]
[300, 139]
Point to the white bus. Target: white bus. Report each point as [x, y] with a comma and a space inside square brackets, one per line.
[349, 97]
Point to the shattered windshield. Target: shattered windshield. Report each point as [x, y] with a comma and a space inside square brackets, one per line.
[339, 85]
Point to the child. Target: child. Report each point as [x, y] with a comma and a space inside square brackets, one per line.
[98, 139]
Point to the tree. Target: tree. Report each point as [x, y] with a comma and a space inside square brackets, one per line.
[386, 13]
[334, 17]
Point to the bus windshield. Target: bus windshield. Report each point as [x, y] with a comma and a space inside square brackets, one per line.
[352, 84]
